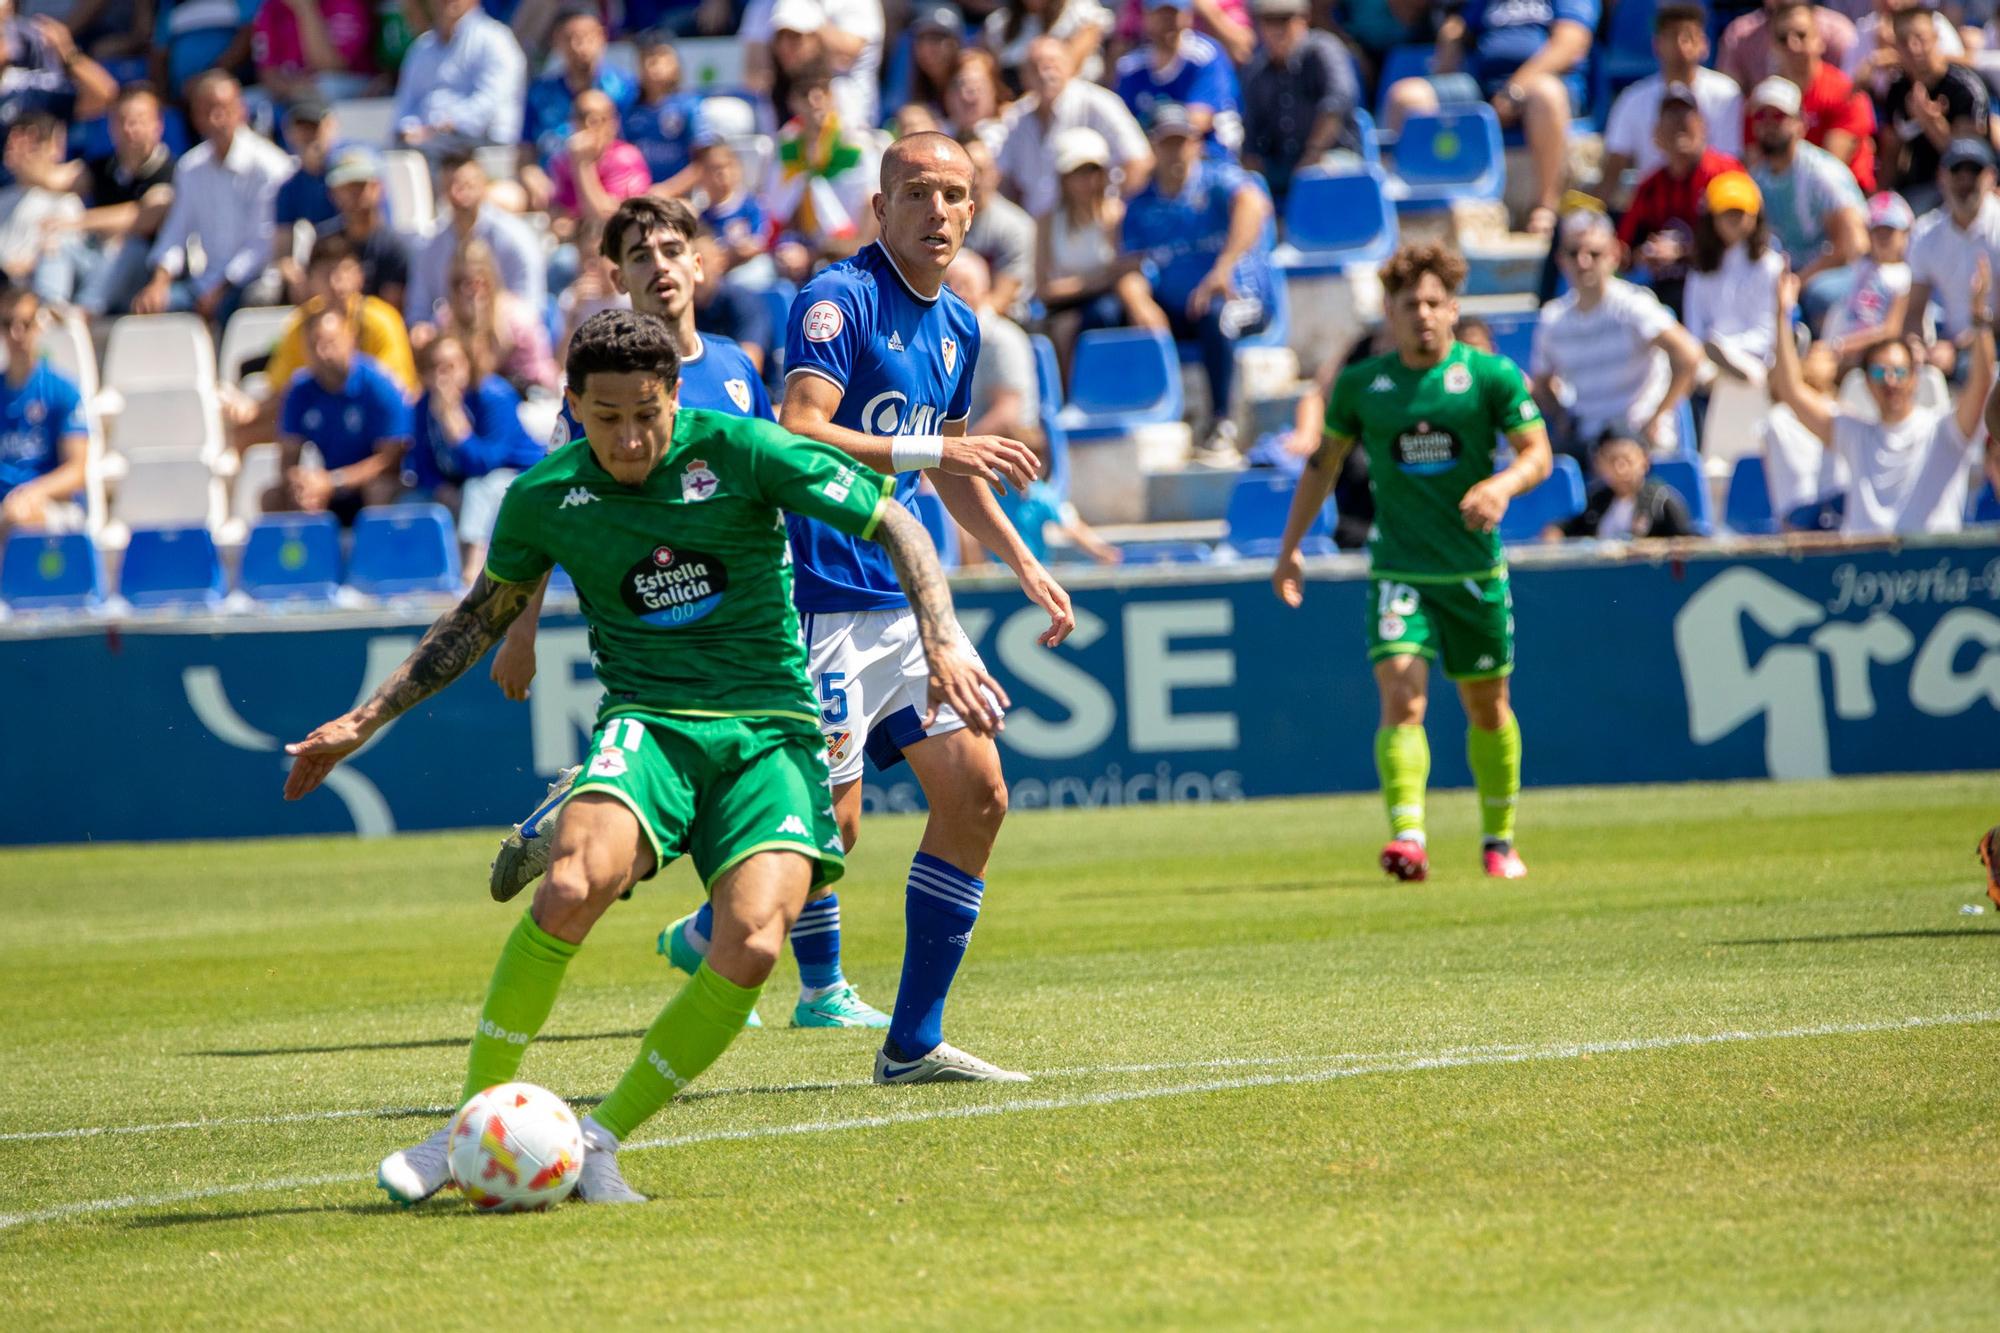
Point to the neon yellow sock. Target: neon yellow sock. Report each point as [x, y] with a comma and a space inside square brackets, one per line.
[693, 1030]
[1403, 761]
[1495, 757]
[518, 1000]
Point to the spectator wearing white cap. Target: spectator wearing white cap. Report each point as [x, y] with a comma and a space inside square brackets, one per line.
[1947, 247]
[1177, 64]
[1680, 44]
[1606, 351]
[1930, 103]
[847, 33]
[1910, 465]
[1299, 95]
[1060, 101]
[1815, 209]
[1083, 278]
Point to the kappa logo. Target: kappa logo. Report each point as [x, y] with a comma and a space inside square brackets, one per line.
[895, 341]
[950, 348]
[739, 393]
[1382, 384]
[1485, 662]
[834, 845]
[796, 826]
[578, 495]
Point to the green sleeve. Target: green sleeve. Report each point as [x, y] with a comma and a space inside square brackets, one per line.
[813, 480]
[1507, 396]
[1343, 408]
[516, 553]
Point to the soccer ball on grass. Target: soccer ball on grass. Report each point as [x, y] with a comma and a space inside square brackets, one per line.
[515, 1148]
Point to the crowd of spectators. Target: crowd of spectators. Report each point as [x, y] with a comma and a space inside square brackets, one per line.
[1131, 161]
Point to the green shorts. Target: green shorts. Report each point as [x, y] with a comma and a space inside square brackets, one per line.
[719, 789]
[1470, 623]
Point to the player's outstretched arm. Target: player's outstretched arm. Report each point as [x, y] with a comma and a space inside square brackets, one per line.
[1787, 383]
[955, 678]
[811, 400]
[514, 663]
[971, 502]
[1972, 399]
[459, 638]
[1322, 470]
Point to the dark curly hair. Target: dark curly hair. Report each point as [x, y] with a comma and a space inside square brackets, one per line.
[622, 342]
[648, 213]
[1411, 262]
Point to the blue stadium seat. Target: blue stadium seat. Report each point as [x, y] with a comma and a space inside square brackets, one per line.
[1686, 478]
[292, 557]
[1747, 509]
[1121, 378]
[560, 583]
[1368, 136]
[1254, 523]
[1167, 553]
[1623, 52]
[1451, 155]
[1984, 507]
[1514, 335]
[172, 567]
[1399, 63]
[1048, 375]
[406, 548]
[1333, 219]
[1557, 500]
[47, 571]
[944, 532]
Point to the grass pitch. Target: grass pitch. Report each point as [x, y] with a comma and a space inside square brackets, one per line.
[1727, 1060]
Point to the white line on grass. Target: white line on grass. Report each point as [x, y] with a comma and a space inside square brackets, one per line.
[1467, 1058]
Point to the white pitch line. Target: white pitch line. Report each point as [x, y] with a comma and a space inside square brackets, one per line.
[1465, 1059]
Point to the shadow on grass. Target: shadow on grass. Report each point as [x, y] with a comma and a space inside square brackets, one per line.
[1862, 937]
[427, 1044]
[159, 1221]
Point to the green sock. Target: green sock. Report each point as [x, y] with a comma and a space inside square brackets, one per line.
[1403, 761]
[525, 982]
[693, 1030]
[1495, 757]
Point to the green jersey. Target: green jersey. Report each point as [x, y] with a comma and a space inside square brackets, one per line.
[1429, 435]
[686, 580]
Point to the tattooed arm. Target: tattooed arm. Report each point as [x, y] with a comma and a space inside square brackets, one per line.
[955, 677]
[460, 638]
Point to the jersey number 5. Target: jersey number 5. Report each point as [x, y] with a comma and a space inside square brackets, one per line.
[833, 693]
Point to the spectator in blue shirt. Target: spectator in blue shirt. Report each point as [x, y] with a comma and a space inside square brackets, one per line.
[731, 213]
[463, 83]
[466, 442]
[347, 407]
[191, 37]
[42, 440]
[305, 195]
[1204, 228]
[1526, 58]
[1179, 65]
[45, 72]
[577, 42]
[663, 121]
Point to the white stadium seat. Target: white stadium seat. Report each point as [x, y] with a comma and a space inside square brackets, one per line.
[369, 120]
[159, 352]
[406, 188]
[168, 488]
[252, 332]
[68, 348]
[169, 421]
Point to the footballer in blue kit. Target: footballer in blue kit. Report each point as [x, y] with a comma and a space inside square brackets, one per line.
[42, 433]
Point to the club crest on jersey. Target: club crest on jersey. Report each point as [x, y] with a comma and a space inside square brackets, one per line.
[739, 393]
[823, 322]
[950, 347]
[697, 482]
[1457, 379]
[671, 588]
[837, 743]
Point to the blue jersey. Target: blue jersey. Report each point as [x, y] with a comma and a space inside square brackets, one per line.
[497, 441]
[348, 423]
[734, 220]
[1181, 235]
[663, 132]
[545, 120]
[1199, 75]
[34, 421]
[904, 367]
[718, 378]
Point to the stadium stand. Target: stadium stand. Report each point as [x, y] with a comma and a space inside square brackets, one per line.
[46, 571]
[172, 568]
[1686, 480]
[1121, 378]
[292, 558]
[401, 549]
[1556, 501]
[1450, 156]
[1748, 507]
[1255, 521]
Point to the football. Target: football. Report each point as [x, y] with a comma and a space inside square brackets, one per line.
[515, 1148]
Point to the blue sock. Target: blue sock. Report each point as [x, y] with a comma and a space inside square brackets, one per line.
[816, 943]
[704, 926]
[939, 909]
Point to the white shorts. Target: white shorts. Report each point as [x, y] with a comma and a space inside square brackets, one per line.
[869, 673]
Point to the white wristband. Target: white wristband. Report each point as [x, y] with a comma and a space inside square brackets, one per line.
[913, 453]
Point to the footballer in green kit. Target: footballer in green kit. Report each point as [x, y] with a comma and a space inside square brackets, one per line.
[671, 524]
[1428, 414]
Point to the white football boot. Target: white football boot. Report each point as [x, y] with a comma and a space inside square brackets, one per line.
[524, 853]
[601, 1181]
[944, 1063]
[412, 1175]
